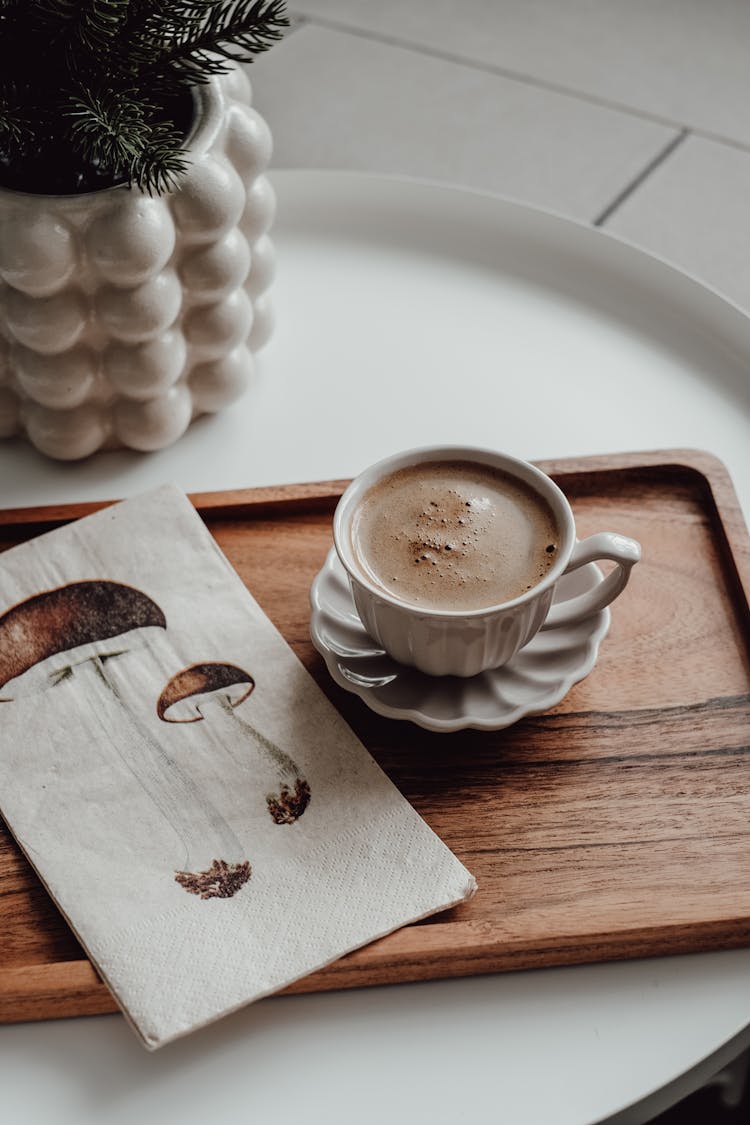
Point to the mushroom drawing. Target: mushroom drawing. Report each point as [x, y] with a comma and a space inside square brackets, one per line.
[75, 631]
[228, 686]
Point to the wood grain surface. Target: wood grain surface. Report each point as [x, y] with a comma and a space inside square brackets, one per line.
[616, 825]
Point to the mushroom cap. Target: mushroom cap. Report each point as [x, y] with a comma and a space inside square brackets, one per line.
[198, 680]
[61, 619]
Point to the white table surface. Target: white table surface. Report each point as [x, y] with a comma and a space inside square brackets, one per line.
[406, 316]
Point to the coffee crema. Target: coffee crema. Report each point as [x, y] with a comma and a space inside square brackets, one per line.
[453, 535]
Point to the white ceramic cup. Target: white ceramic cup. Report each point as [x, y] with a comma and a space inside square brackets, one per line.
[464, 643]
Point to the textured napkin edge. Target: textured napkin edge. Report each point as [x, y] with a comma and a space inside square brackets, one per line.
[152, 1044]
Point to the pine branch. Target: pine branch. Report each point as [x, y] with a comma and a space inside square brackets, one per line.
[55, 13]
[97, 91]
[250, 25]
[77, 35]
[88, 24]
[99, 22]
[160, 165]
[108, 129]
[153, 26]
[16, 126]
[114, 132]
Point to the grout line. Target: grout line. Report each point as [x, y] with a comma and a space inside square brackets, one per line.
[296, 22]
[628, 190]
[490, 68]
[524, 79]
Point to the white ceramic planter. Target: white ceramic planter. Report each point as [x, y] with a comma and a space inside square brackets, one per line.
[124, 317]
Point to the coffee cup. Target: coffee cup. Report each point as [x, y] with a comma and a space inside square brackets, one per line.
[453, 555]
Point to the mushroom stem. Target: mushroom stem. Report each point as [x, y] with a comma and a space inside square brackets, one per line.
[285, 766]
[205, 835]
[286, 805]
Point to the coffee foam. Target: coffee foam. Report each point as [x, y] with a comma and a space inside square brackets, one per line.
[453, 535]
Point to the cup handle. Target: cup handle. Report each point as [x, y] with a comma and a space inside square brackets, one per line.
[604, 545]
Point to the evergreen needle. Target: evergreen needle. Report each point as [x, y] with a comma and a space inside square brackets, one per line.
[96, 92]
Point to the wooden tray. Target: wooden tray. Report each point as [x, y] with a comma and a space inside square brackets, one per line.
[616, 825]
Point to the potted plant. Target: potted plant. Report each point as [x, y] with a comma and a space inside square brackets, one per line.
[134, 254]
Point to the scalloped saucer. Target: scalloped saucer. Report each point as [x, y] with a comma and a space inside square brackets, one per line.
[536, 679]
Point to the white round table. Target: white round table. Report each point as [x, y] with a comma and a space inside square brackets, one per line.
[409, 315]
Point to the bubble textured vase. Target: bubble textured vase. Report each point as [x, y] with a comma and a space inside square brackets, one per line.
[123, 317]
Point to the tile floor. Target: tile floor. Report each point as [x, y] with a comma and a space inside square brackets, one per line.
[623, 113]
[626, 114]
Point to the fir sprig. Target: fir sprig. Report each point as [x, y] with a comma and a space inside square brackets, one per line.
[116, 131]
[97, 91]
[200, 49]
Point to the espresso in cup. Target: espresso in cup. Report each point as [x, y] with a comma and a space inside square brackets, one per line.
[453, 535]
[456, 598]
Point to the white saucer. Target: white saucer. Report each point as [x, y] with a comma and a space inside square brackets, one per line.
[535, 680]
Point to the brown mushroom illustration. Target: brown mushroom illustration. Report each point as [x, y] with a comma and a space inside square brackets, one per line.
[86, 624]
[228, 686]
[66, 617]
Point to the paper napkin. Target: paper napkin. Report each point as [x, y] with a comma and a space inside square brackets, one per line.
[201, 814]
